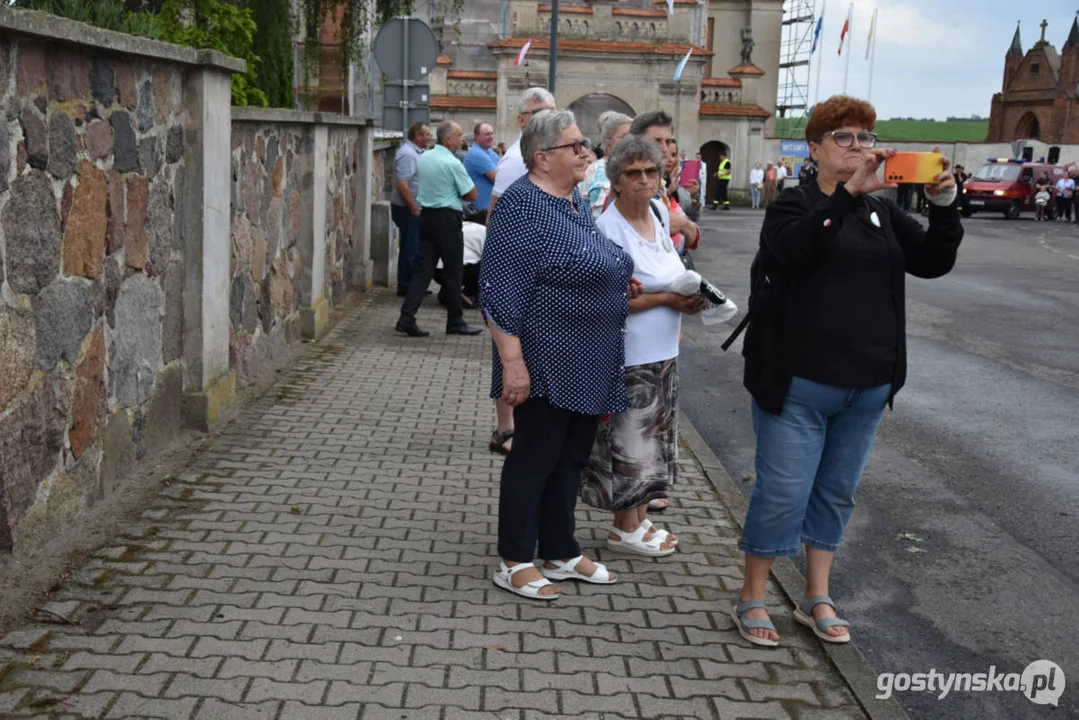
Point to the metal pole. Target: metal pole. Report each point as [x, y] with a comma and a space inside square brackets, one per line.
[872, 55]
[553, 64]
[850, 38]
[820, 58]
[405, 94]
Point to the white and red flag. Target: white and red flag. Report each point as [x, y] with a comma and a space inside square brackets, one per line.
[846, 28]
[521, 55]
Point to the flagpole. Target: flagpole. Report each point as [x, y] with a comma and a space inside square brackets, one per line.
[872, 53]
[850, 37]
[820, 57]
[552, 66]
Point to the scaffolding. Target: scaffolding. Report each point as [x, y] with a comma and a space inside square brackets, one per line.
[795, 50]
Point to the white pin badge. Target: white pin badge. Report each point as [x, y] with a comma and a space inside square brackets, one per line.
[874, 219]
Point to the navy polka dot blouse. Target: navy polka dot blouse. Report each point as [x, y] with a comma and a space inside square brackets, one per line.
[551, 278]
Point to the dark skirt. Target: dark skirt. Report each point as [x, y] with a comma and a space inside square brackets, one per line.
[635, 455]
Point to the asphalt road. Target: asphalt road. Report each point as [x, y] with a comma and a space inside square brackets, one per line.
[978, 462]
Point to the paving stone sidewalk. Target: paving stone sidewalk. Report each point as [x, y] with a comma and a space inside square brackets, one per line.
[330, 556]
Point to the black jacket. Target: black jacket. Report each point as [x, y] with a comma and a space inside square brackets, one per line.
[813, 309]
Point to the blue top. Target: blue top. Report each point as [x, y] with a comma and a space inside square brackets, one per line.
[550, 278]
[404, 168]
[479, 162]
[443, 179]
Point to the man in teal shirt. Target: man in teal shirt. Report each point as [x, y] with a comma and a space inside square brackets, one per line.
[444, 186]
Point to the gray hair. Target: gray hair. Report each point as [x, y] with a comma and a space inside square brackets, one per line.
[543, 131]
[445, 129]
[610, 121]
[535, 95]
[631, 149]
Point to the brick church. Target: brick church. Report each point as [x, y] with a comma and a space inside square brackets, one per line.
[1039, 99]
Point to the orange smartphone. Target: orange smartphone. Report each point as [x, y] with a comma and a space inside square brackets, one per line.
[919, 168]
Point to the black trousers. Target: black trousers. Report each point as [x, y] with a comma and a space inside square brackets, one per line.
[1065, 205]
[721, 192]
[440, 237]
[540, 480]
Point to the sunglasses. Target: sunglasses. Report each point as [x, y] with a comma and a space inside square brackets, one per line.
[577, 146]
[637, 173]
[845, 139]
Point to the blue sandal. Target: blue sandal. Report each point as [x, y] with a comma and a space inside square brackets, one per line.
[804, 615]
[747, 624]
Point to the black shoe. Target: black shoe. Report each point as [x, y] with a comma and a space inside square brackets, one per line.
[726, 207]
[410, 328]
[462, 328]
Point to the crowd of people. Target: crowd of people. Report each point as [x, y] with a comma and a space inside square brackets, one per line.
[582, 287]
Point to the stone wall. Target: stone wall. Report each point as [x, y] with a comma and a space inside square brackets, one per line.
[91, 170]
[296, 177]
[134, 287]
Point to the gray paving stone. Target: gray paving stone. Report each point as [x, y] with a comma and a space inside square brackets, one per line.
[390, 695]
[214, 709]
[249, 649]
[309, 693]
[184, 685]
[298, 711]
[132, 705]
[202, 667]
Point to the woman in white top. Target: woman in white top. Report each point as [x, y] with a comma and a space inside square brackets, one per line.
[635, 455]
[756, 184]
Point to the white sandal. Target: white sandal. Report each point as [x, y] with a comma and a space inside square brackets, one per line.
[568, 571]
[662, 534]
[504, 579]
[634, 542]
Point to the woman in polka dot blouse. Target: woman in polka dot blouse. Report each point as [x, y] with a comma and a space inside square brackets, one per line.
[555, 292]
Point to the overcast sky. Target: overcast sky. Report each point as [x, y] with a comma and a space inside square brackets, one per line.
[934, 58]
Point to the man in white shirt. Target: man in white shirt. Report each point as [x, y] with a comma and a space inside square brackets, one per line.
[510, 169]
[1065, 193]
[781, 175]
[512, 166]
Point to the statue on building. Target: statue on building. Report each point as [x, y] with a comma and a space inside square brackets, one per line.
[747, 45]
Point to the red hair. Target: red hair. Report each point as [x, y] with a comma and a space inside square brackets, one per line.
[838, 111]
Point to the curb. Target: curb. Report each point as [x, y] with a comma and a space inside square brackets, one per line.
[853, 667]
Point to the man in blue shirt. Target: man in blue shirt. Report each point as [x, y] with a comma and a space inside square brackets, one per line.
[404, 207]
[480, 162]
[444, 184]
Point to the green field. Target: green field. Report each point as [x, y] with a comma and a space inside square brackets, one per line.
[907, 130]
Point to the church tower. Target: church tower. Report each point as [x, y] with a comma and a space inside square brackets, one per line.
[1012, 59]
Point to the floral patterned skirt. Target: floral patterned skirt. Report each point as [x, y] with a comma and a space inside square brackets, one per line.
[635, 455]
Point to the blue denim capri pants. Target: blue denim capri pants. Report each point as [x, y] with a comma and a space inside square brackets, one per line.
[809, 461]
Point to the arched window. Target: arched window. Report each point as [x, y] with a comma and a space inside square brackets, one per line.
[588, 108]
[1028, 127]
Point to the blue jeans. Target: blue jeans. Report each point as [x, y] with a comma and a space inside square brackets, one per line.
[408, 226]
[810, 460]
[754, 196]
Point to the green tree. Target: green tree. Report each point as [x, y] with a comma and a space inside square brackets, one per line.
[273, 43]
[216, 25]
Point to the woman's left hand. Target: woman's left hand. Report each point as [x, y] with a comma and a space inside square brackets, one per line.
[687, 304]
[945, 180]
[635, 288]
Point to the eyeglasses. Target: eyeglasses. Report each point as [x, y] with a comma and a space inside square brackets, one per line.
[650, 173]
[576, 145]
[533, 112]
[845, 139]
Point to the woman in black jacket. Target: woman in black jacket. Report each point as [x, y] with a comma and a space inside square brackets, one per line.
[826, 351]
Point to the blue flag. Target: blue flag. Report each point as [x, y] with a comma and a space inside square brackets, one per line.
[816, 35]
[682, 66]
